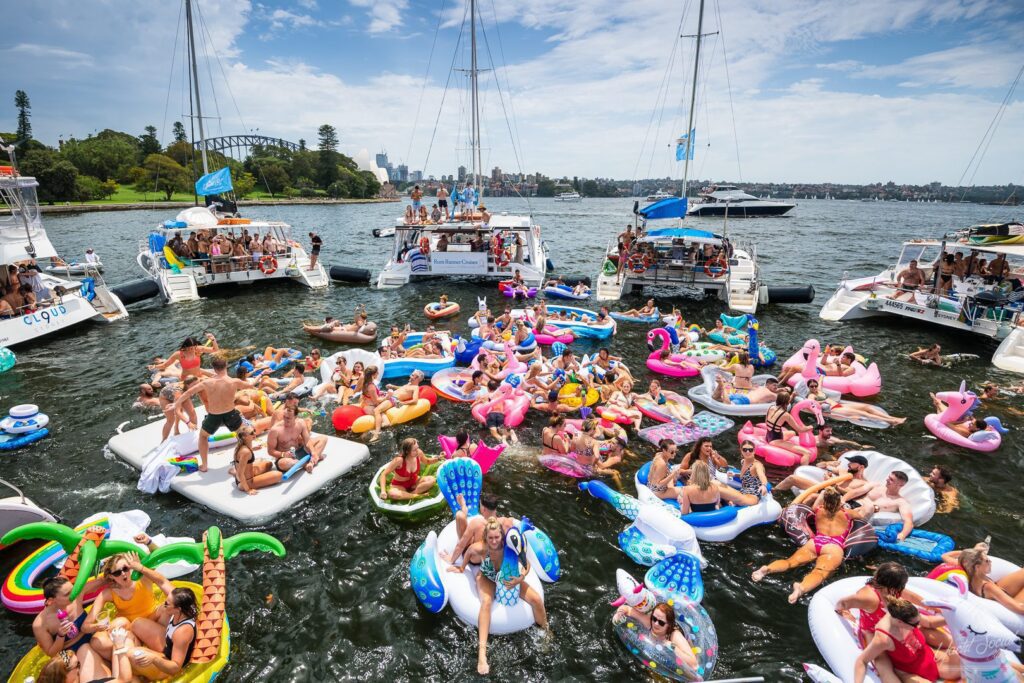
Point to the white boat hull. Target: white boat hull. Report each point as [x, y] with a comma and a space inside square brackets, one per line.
[71, 311]
[1010, 354]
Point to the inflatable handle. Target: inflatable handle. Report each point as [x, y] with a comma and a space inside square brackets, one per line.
[295, 468]
[804, 495]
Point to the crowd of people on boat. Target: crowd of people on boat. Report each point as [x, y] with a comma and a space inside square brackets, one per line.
[224, 251]
[951, 268]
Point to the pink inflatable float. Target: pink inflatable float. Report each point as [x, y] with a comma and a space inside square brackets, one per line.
[864, 381]
[958, 405]
[771, 452]
[546, 339]
[511, 401]
[512, 364]
[688, 367]
[484, 455]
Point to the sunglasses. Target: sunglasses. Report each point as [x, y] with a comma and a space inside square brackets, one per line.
[119, 572]
[660, 622]
[747, 450]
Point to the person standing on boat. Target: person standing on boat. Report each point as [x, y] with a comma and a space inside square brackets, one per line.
[470, 197]
[442, 200]
[220, 404]
[314, 253]
[91, 257]
[908, 281]
[417, 196]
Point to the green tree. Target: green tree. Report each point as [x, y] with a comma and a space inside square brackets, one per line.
[161, 173]
[546, 188]
[24, 115]
[178, 131]
[302, 145]
[303, 165]
[244, 183]
[337, 190]
[274, 179]
[58, 178]
[372, 185]
[148, 142]
[327, 162]
[110, 154]
[88, 188]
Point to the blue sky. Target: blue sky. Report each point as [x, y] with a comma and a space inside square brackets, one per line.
[820, 89]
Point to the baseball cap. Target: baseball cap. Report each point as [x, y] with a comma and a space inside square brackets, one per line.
[859, 459]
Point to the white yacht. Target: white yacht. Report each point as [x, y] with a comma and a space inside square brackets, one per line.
[473, 243]
[569, 197]
[659, 195]
[718, 199]
[466, 247]
[23, 241]
[180, 279]
[977, 302]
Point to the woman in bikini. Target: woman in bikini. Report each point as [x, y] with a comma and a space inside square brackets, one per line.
[190, 357]
[777, 420]
[463, 448]
[555, 436]
[742, 372]
[1007, 591]
[406, 483]
[700, 494]
[166, 643]
[655, 394]
[251, 474]
[832, 524]
[662, 478]
[703, 450]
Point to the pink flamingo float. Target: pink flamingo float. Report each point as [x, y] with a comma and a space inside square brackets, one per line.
[512, 401]
[688, 367]
[865, 381]
[958, 405]
[774, 454]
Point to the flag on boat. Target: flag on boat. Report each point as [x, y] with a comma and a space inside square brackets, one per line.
[454, 194]
[681, 145]
[215, 183]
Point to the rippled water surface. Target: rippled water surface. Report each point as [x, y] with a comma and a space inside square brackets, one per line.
[339, 605]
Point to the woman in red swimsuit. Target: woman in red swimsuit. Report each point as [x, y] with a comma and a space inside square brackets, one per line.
[832, 524]
[406, 483]
[898, 636]
[189, 356]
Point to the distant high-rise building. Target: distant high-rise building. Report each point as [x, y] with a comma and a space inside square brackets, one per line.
[462, 174]
[496, 174]
[402, 173]
[415, 176]
[382, 160]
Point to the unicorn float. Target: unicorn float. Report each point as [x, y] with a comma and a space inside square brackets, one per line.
[772, 452]
[984, 644]
[691, 619]
[677, 365]
[865, 381]
[959, 405]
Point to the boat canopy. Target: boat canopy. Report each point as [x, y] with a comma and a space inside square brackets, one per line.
[673, 207]
[681, 233]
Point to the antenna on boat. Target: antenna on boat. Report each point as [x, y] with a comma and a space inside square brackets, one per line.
[693, 101]
[195, 82]
[16, 194]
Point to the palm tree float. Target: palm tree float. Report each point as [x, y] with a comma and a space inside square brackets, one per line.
[211, 553]
[84, 549]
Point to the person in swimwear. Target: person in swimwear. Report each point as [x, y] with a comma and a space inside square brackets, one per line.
[928, 356]
[147, 398]
[1007, 591]
[251, 474]
[662, 629]
[777, 419]
[555, 436]
[470, 530]
[663, 475]
[849, 410]
[623, 402]
[965, 427]
[86, 666]
[908, 281]
[407, 483]
[897, 635]
[671, 407]
[703, 450]
[220, 405]
[290, 440]
[54, 635]
[174, 414]
[854, 465]
[340, 377]
[888, 582]
[190, 357]
[752, 476]
[884, 497]
[832, 524]
[947, 497]
[490, 555]
[644, 311]
[742, 371]
[842, 368]
[463, 448]
[700, 493]
[766, 394]
[374, 402]
[166, 643]
[297, 377]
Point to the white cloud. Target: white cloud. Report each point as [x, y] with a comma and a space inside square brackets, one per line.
[964, 66]
[384, 14]
[281, 18]
[308, 4]
[35, 51]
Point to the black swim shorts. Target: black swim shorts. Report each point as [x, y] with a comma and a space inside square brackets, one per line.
[231, 419]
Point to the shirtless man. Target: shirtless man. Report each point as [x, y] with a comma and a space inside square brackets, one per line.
[409, 392]
[908, 281]
[826, 442]
[442, 200]
[290, 440]
[854, 465]
[947, 498]
[220, 404]
[929, 356]
[265, 424]
[765, 394]
[885, 497]
[470, 530]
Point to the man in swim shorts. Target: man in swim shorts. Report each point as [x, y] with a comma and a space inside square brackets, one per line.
[908, 281]
[442, 200]
[220, 404]
[290, 440]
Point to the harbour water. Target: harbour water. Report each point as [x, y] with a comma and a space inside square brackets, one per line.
[339, 606]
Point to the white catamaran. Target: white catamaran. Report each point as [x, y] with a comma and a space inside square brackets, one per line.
[980, 292]
[61, 302]
[473, 243]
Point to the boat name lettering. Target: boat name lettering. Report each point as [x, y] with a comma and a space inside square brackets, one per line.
[900, 306]
[44, 316]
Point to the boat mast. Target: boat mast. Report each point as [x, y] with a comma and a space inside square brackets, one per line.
[195, 83]
[693, 100]
[475, 142]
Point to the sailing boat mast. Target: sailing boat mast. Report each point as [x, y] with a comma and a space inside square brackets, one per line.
[475, 142]
[693, 100]
[195, 83]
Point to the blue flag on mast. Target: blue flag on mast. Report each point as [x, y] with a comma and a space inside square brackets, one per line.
[214, 183]
[681, 145]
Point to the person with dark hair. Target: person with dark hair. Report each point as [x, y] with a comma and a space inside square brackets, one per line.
[56, 634]
[314, 253]
[290, 440]
[884, 497]
[166, 642]
[463, 448]
[832, 524]
[220, 404]
[471, 529]
[662, 627]
[898, 636]
[189, 356]
[947, 497]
